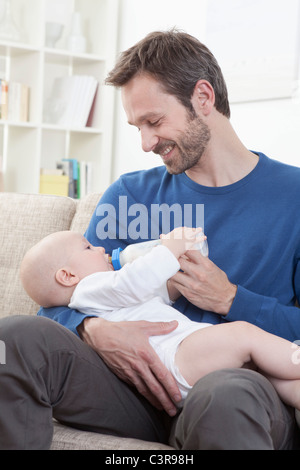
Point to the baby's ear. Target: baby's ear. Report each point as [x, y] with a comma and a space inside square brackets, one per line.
[65, 277]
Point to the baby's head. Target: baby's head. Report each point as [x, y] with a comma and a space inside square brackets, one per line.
[52, 268]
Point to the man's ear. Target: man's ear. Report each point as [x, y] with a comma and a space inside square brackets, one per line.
[66, 277]
[203, 98]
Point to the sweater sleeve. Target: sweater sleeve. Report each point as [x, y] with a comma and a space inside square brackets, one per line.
[266, 313]
[69, 318]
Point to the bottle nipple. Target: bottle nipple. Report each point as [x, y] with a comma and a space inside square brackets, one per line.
[115, 259]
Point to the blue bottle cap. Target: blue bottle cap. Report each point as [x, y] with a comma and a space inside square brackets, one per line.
[115, 259]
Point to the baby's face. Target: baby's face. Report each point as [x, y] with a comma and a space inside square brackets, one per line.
[87, 259]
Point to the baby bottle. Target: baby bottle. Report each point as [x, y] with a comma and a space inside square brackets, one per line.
[131, 252]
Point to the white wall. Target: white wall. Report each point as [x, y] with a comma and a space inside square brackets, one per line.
[138, 18]
[271, 126]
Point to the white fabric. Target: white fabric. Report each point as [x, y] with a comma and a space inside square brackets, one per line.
[139, 292]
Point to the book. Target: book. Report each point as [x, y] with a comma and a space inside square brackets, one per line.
[89, 175]
[1, 175]
[75, 121]
[4, 99]
[54, 183]
[24, 104]
[18, 102]
[70, 178]
[64, 93]
[14, 101]
[71, 101]
[79, 176]
[85, 178]
[73, 177]
[85, 101]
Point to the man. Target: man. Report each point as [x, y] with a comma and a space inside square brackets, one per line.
[173, 91]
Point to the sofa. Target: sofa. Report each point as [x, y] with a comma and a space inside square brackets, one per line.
[25, 219]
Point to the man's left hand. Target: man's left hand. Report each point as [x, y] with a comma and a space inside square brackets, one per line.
[204, 284]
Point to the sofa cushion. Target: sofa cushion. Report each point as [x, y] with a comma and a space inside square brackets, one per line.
[65, 438]
[84, 212]
[25, 219]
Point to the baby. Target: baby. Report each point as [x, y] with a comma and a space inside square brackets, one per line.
[65, 269]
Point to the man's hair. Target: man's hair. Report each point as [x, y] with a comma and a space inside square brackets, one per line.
[177, 61]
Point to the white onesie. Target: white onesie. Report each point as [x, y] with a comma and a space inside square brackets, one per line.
[138, 291]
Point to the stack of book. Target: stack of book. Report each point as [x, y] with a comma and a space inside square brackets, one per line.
[70, 178]
[14, 101]
[1, 175]
[71, 101]
[54, 182]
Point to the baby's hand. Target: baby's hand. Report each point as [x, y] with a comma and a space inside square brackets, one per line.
[182, 239]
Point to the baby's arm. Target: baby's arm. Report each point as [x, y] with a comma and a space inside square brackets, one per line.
[173, 292]
[138, 281]
[178, 242]
[135, 283]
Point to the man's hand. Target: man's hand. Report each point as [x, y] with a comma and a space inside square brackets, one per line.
[204, 284]
[125, 348]
[182, 239]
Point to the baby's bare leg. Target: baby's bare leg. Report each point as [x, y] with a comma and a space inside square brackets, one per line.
[288, 390]
[210, 349]
[233, 345]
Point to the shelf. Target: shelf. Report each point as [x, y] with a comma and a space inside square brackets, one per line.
[52, 127]
[26, 147]
[62, 54]
[84, 130]
[13, 49]
[29, 125]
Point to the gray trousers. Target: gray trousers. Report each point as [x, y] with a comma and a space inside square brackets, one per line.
[50, 372]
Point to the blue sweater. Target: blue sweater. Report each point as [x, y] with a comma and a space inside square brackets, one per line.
[253, 230]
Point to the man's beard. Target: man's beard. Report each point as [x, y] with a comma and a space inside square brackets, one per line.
[189, 147]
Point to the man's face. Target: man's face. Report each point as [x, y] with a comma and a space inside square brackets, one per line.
[166, 126]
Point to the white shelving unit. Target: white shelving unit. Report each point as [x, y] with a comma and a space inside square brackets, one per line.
[28, 147]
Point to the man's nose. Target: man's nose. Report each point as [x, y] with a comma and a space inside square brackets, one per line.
[149, 140]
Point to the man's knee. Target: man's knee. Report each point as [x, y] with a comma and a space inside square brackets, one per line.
[229, 387]
[230, 393]
[35, 337]
[230, 409]
[224, 395]
[16, 325]
[20, 329]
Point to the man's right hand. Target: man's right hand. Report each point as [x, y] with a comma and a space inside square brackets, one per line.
[125, 348]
